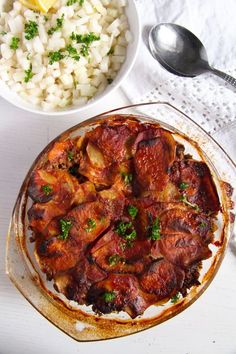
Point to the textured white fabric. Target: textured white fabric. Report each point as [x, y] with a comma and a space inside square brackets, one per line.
[205, 98]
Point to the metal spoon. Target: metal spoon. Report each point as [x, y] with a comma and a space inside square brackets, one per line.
[179, 51]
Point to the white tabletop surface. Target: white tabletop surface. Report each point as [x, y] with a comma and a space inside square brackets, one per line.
[208, 326]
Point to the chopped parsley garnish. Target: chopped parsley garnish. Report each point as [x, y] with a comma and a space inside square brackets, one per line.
[85, 40]
[28, 74]
[3, 33]
[28, 56]
[127, 177]
[84, 50]
[72, 2]
[203, 224]
[122, 227]
[47, 189]
[70, 155]
[133, 211]
[125, 229]
[109, 296]
[111, 51]
[45, 18]
[31, 30]
[131, 236]
[65, 225]
[183, 185]
[175, 298]
[59, 25]
[184, 199]
[114, 259]
[14, 43]
[155, 230]
[55, 56]
[109, 80]
[72, 52]
[91, 224]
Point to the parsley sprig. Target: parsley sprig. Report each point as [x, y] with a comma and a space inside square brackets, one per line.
[65, 225]
[59, 25]
[91, 224]
[14, 43]
[133, 211]
[47, 189]
[28, 74]
[175, 298]
[72, 2]
[85, 40]
[31, 30]
[184, 199]
[109, 296]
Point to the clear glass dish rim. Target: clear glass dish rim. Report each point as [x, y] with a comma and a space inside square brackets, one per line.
[91, 121]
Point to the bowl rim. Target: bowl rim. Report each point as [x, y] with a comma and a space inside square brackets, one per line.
[9, 96]
[89, 122]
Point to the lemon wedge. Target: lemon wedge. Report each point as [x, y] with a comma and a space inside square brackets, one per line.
[30, 4]
[38, 5]
[44, 5]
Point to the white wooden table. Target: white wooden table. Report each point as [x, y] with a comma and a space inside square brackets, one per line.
[208, 326]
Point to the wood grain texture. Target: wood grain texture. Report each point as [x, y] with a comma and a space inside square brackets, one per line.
[208, 326]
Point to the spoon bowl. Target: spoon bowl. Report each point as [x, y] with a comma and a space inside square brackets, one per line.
[179, 51]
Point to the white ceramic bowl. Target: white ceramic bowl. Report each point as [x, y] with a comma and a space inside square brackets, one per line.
[132, 49]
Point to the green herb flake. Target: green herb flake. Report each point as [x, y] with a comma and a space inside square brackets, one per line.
[115, 259]
[109, 81]
[175, 298]
[183, 185]
[3, 33]
[84, 38]
[31, 30]
[65, 225]
[58, 26]
[14, 43]
[45, 18]
[55, 56]
[72, 2]
[133, 211]
[203, 224]
[47, 189]
[131, 236]
[111, 51]
[84, 50]
[184, 199]
[91, 224]
[109, 296]
[155, 230]
[72, 52]
[127, 177]
[122, 227]
[28, 74]
[70, 155]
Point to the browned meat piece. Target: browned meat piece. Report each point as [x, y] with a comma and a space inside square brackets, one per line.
[56, 255]
[56, 185]
[195, 178]
[117, 293]
[113, 255]
[63, 154]
[154, 156]
[88, 220]
[40, 215]
[111, 141]
[162, 279]
[183, 250]
[178, 220]
[75, 284]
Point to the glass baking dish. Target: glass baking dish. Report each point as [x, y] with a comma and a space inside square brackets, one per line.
[80, 322]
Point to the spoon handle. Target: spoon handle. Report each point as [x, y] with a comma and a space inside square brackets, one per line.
[231, 80]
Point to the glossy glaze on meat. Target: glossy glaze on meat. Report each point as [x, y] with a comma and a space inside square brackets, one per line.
[121, 217]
